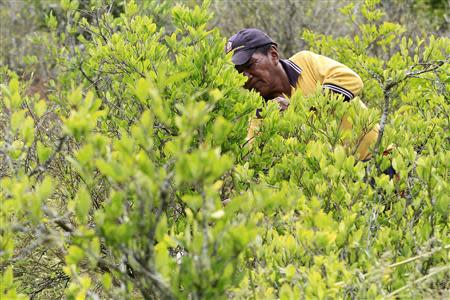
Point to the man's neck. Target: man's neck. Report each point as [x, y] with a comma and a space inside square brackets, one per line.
[284, 86]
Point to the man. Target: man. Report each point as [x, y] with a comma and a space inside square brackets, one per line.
[255, 55]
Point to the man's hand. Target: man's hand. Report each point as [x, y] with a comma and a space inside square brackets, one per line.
[226, 201]
[283, 103]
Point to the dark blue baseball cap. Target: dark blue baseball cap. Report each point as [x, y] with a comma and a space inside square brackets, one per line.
[244, 44]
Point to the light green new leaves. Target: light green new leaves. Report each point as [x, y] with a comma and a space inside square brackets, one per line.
[145, 91]
[81, 122]
[156, 132]
[82, 204]
[201, 165]
[11, 94]
[8, 288]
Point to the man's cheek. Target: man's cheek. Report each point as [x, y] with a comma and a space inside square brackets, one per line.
[262, 90]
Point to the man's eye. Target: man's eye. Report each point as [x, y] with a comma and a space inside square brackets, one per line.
[241, 69]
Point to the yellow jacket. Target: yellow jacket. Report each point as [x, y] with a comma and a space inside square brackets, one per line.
[305, 69]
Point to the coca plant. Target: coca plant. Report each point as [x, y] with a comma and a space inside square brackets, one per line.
[113, 185]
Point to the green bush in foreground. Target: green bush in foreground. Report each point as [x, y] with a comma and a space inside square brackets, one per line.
[113, 186]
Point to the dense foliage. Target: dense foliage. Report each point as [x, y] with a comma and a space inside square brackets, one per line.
[113, 180]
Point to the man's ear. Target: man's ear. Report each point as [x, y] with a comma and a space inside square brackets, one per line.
[274, 55]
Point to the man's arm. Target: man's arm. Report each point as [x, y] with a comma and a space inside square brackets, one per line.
[335, 76]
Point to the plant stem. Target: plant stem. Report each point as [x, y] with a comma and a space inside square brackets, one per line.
[423, 278]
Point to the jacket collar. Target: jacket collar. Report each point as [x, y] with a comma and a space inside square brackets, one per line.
[292, 70]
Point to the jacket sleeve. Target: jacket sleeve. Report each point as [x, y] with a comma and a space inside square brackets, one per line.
[335, 76]
[339, 78]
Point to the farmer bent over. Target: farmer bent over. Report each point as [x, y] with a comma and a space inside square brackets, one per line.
[256, 55]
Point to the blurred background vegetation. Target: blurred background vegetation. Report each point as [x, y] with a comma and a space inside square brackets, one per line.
[24, 24]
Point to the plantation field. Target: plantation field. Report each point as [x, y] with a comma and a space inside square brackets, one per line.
[125, 172]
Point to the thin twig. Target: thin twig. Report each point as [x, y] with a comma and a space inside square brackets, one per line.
[43, 167]
[424, 278]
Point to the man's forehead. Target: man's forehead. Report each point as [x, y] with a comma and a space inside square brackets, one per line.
[251, 59]
[256, 56]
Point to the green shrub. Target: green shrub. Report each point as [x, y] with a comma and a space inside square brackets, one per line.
[113, 186]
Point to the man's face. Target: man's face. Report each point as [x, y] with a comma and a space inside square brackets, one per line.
[260, 70]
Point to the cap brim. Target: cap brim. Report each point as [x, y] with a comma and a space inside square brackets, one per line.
[240, 57]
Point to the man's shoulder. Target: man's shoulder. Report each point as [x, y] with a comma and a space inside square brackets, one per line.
[301, 55]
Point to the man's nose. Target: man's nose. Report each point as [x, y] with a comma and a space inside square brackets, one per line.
[247, 73]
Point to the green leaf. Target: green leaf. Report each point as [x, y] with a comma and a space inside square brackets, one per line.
[75, 255]
[85, 154]
[82, 205]
[105, 168]
[161, 228]
[17, 119]
[107, 281]
[142, 90]
[27, 131]
[286, 292]
[43, 152]
[221, 130]
[75, 97]
[45, 188]
[339, 155]
[290, 271]
[7, 277]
